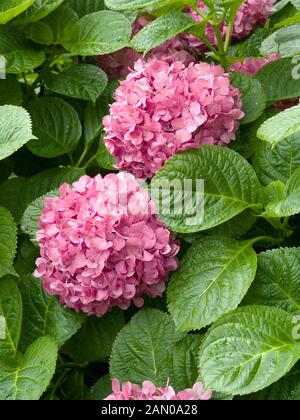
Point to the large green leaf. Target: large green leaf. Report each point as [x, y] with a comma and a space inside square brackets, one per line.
[38, 10]
[248, 350]
[94, 340]
[213, 278]
[15, 129]
[290, 203]
[20, 54]
[160, 30]
[277, 282]
[11, 8]
[83, 81]
[230, 187]
[253, 96]
[142, 347]
[278, 163]
[44, 315]
[278, 80]
[56, 125]
[99, 33]
[8, 242]
[10, 91]
[281, 126]
[28, 378]
[11, 313]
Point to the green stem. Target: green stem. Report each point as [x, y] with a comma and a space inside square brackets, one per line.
[71, 159]
[39, 79]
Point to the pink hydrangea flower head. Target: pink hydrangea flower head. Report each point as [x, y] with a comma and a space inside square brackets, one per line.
[251, 14]
[164, 108]
[253, 65]
[149, 391]
[101, 245]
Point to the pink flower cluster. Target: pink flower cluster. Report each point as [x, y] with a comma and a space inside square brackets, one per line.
[102, 245]
[164, 108]
[251, 14]
[253, 65]
[148, 391]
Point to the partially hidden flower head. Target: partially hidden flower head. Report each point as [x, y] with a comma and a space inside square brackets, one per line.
[164, 108]
[252, 65]
[102, 246]
[148, 391]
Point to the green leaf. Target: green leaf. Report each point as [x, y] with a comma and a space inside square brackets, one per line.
[160, 30]
[56, 125]
[20, 54]
[104, 158]
[251, 46]
[278, 163]
[290, 204]
[183, 362]
[94, 340]
[83, 81]
[57, 25]
[28, 379]
[231, 186]
[99, 33]
[26, 257]
[138, 4]
[279, 81]
[285, 41]
[214, 276]
[10, 196]
[85, 7]
[32, 214]
[277, 281]
[101, 389]
[11, 8]
[15, 129]
[253, 96]
[8, 242]
[248, 350]
[10, 91]
[141, 348]
[44, 315]
[281, 126]
[11, 312]
[38, 10]
[47, 181]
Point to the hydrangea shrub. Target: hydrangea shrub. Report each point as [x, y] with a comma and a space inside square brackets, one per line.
[113, 284]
